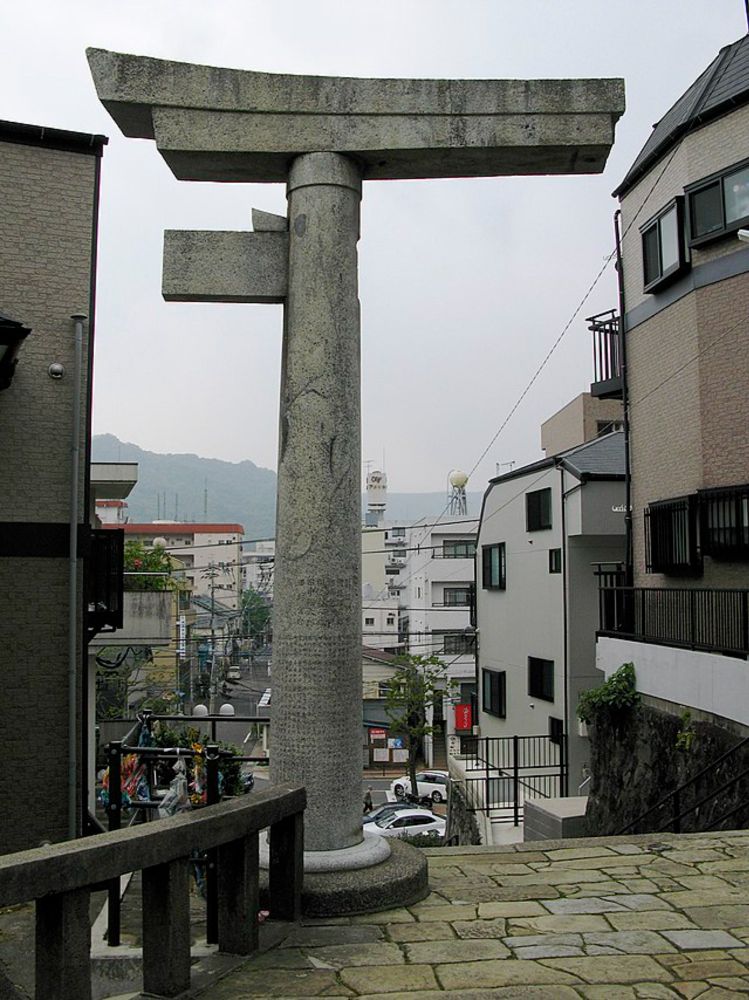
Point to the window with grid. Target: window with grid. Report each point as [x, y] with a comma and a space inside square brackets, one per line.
[540, 678]
[456, 643]
[493, 567]
[458, 549]
[663, 254]
[494, 686]
[538, 510]
[671, 537]
[457, 596]
[724, 522]
[719, 204]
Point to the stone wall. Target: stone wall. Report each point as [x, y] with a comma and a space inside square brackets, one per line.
[462, 827]
[639, 758]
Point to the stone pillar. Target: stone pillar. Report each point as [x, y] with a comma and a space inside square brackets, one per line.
[316, 730]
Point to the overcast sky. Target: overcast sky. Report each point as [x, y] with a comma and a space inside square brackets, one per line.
[464, 285]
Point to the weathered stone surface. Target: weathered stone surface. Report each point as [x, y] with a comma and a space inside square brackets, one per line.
[635, 942]
[236, 125]
[694, 939]
[730, 915]
[388, 979]
[314, 937]
[620, 969]
[648, 920]
[518, 926]
[225, 267]
[474, 950]
[496, 928]
[456, 911]
[340, 956]
[424, 931]
[503, 973]
[510, 909]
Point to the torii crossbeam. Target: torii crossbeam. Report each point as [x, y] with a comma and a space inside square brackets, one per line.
[323, 136]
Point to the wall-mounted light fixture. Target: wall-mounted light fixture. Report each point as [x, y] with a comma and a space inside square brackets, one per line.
[12, 335]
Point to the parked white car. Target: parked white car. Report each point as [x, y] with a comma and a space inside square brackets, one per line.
[428, 783]
[408, 823]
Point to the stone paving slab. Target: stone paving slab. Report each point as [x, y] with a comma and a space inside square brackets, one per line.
[654, 917]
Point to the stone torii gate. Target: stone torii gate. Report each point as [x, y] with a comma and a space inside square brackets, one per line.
[323, 136]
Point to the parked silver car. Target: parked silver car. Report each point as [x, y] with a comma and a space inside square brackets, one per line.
[408, 823]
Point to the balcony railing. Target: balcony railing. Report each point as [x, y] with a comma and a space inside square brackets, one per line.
[607, 368]
[715, 621]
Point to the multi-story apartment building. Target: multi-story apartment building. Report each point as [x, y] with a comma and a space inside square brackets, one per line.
[52, 600]
[211, 554]
[542, 530]
[684, 277]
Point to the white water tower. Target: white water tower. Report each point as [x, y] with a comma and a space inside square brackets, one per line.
[456, 496]
[377, 488]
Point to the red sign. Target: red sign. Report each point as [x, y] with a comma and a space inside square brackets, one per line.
[463, 718]
[377, 734]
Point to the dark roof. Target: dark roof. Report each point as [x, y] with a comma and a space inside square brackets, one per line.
[602, 458]
[723, 85]
[53, 138]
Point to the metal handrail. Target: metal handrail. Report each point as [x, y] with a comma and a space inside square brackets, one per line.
[676, 792]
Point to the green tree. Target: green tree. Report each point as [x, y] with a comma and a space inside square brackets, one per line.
[139, 559]
[256, 613]
[417, 684]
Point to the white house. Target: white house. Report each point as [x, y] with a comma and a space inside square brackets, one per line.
[543, 529]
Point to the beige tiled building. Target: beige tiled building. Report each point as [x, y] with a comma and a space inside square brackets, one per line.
[685, 290]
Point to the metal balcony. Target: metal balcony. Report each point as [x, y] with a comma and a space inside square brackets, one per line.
[607, 370]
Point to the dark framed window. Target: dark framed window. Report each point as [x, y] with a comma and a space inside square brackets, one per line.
[456, 643]
[540, 678]
[719, 204]
[663, 254]
[458, 549]
[457, 597]
[724, 522]
[368, 621]
[494, 688]
[608, 427]
[671, 537]
[493, 567]
[555, 560]
[538, 510]
[556, 730]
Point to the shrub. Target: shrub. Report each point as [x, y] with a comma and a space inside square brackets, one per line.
[613, 698]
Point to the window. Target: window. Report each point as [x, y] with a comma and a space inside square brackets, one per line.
[556, 730]
[495, 692]
[555, 560]
[663, 246]
[671, 537]
[369, 621]
[538, 510]
[493, 567]
[456, 643]
[459, 549]
[719, 204]
[540, 678]
[724, 522]
[608, 427]
[457, 596]
[391, 619]
[397, 532]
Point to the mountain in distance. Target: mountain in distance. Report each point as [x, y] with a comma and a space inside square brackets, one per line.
[173, 487]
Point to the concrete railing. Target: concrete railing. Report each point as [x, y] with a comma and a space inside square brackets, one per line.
[61, 877]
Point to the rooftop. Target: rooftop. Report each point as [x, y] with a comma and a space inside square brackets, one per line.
[722, 87]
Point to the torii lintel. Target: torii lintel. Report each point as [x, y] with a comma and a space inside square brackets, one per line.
[216, 124]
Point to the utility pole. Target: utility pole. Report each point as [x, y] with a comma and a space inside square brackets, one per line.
[210, 574]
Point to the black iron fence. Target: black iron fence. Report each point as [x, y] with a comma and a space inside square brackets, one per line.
[710, 620]
[607, 368]
[503, 772]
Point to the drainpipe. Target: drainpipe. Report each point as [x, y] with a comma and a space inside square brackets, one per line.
[73, 617]
[628, 553]
[566, 747]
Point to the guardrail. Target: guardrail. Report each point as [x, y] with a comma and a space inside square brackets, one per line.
[693, 618]
[61, 877]
[502, 772]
